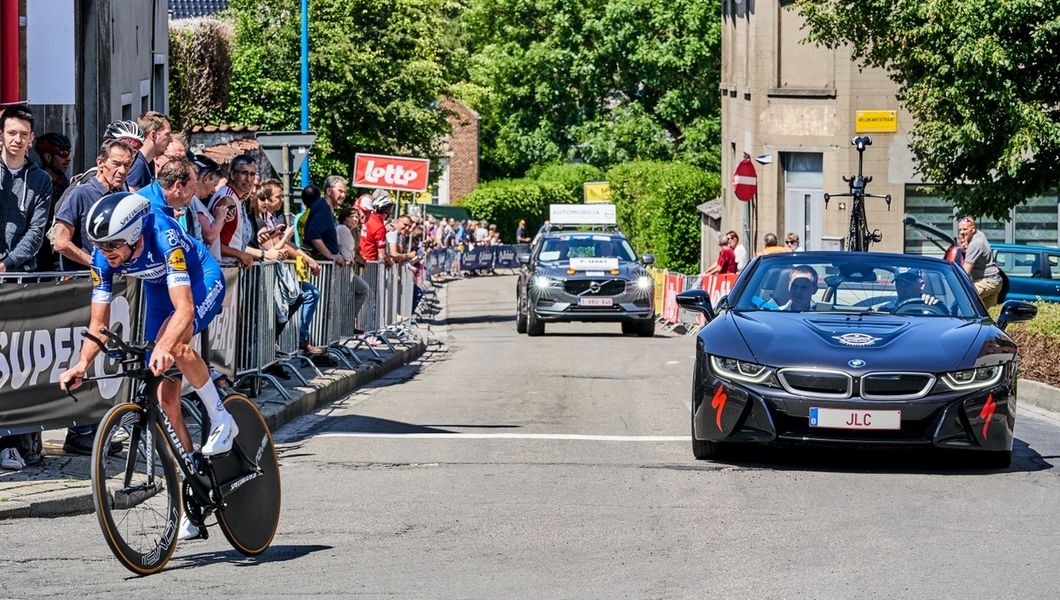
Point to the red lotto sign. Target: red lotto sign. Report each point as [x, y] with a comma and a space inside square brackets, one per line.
[391, 172]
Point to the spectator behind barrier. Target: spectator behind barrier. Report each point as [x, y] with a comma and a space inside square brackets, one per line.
[274, 237]
[230, 197]
[157, 135]
[335, 195]
[26, 197]
[69, 233]
[53, 151]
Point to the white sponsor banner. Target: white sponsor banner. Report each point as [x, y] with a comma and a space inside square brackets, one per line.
[593, 264]
[582, 214]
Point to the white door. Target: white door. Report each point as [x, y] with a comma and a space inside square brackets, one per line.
[804, 215]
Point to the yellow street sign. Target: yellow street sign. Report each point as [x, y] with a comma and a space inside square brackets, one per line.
[597, 191]
[876, 121]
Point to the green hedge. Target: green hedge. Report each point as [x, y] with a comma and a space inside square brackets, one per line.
[656, 205]
[505, 201]
[571, 176]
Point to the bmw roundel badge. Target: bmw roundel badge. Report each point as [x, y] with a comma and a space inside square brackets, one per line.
[856, 363]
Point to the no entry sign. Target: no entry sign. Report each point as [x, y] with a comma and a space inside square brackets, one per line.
[745, 180]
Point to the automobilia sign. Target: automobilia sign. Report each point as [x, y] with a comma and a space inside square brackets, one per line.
[40, 337]
[391, 172]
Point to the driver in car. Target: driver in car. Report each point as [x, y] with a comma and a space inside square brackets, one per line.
[801, 287]
[909, 285]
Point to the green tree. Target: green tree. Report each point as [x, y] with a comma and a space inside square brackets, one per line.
[376, 74]
[598, 80]
[979, 77]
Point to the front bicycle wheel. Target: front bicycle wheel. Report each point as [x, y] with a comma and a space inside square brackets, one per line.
[136, 491]
[249, 478]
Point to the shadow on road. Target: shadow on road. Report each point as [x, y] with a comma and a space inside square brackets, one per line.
[279, 553]
[878, 460]
[480, 319]
[363, 424]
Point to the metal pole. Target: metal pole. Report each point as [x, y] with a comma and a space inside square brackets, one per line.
[285, 173]
[305, 89]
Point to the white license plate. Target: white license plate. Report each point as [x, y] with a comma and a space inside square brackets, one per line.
[841, 418]
[595, 301]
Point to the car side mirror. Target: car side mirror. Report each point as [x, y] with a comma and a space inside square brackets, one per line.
[1015, 311]
[524, 258]
[647, 259]
[698, 301]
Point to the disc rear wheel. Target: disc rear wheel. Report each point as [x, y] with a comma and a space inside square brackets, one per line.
[249, 477]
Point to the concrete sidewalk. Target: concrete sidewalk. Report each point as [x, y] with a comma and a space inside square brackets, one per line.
[61, 486]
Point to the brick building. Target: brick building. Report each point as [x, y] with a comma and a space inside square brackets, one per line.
[458, 167]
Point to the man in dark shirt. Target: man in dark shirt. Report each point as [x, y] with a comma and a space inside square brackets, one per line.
[320, 238]
[157, 135]
[69, 234]
[25, 193]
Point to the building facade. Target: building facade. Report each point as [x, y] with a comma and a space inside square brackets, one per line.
[458, 166]
[120, 54]
[793, 108]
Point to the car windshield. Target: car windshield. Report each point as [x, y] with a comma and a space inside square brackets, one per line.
[855, 283]
[565, 247]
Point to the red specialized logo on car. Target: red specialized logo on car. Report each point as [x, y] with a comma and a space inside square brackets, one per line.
[719, 404]
[987, 413]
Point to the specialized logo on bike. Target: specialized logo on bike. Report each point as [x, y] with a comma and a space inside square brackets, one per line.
[176, 261]
[856, 339]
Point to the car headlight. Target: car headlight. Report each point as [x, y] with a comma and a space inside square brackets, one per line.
[973, 379]
[644, 283]
[542, 282]
[740, 370]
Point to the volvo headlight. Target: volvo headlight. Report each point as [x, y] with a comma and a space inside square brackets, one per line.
[644, 283]
[740, 370]
[973, 379]
[542, 282]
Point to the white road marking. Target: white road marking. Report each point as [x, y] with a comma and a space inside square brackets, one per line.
[511, 436]
[673, 362]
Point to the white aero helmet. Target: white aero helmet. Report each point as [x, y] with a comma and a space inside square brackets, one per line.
[381, 200]
[118, 217]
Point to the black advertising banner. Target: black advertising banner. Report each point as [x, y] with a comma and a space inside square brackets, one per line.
[477, 259]
[40, 337]
[506, 257]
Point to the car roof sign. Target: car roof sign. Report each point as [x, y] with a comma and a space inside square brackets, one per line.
[582, 214]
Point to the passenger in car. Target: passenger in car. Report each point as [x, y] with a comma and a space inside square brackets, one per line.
[802, 285]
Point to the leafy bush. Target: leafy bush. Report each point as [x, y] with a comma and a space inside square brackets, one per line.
[571, 176]
[505, 201]
[656, 204]
[1039, 343]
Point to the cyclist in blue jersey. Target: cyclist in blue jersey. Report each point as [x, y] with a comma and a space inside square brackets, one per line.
[184, 290]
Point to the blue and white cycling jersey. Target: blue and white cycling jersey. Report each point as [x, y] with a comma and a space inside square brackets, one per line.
[170, 258]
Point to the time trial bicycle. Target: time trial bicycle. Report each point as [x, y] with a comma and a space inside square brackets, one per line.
[141, 490]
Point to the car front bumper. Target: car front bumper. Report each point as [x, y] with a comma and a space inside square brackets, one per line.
[733, 412]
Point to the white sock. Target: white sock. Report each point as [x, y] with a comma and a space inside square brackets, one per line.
[212, 401]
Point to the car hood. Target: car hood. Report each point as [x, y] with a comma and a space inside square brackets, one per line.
[932, 344]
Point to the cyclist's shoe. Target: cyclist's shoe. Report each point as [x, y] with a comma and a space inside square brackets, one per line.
[222, 436]
[188, 531]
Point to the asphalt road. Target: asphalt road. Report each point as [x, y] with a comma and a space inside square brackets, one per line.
[559, 467]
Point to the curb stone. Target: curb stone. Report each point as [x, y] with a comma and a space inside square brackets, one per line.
[1040, 395]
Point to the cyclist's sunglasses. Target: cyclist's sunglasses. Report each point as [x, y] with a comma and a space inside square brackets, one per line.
[112, 246]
